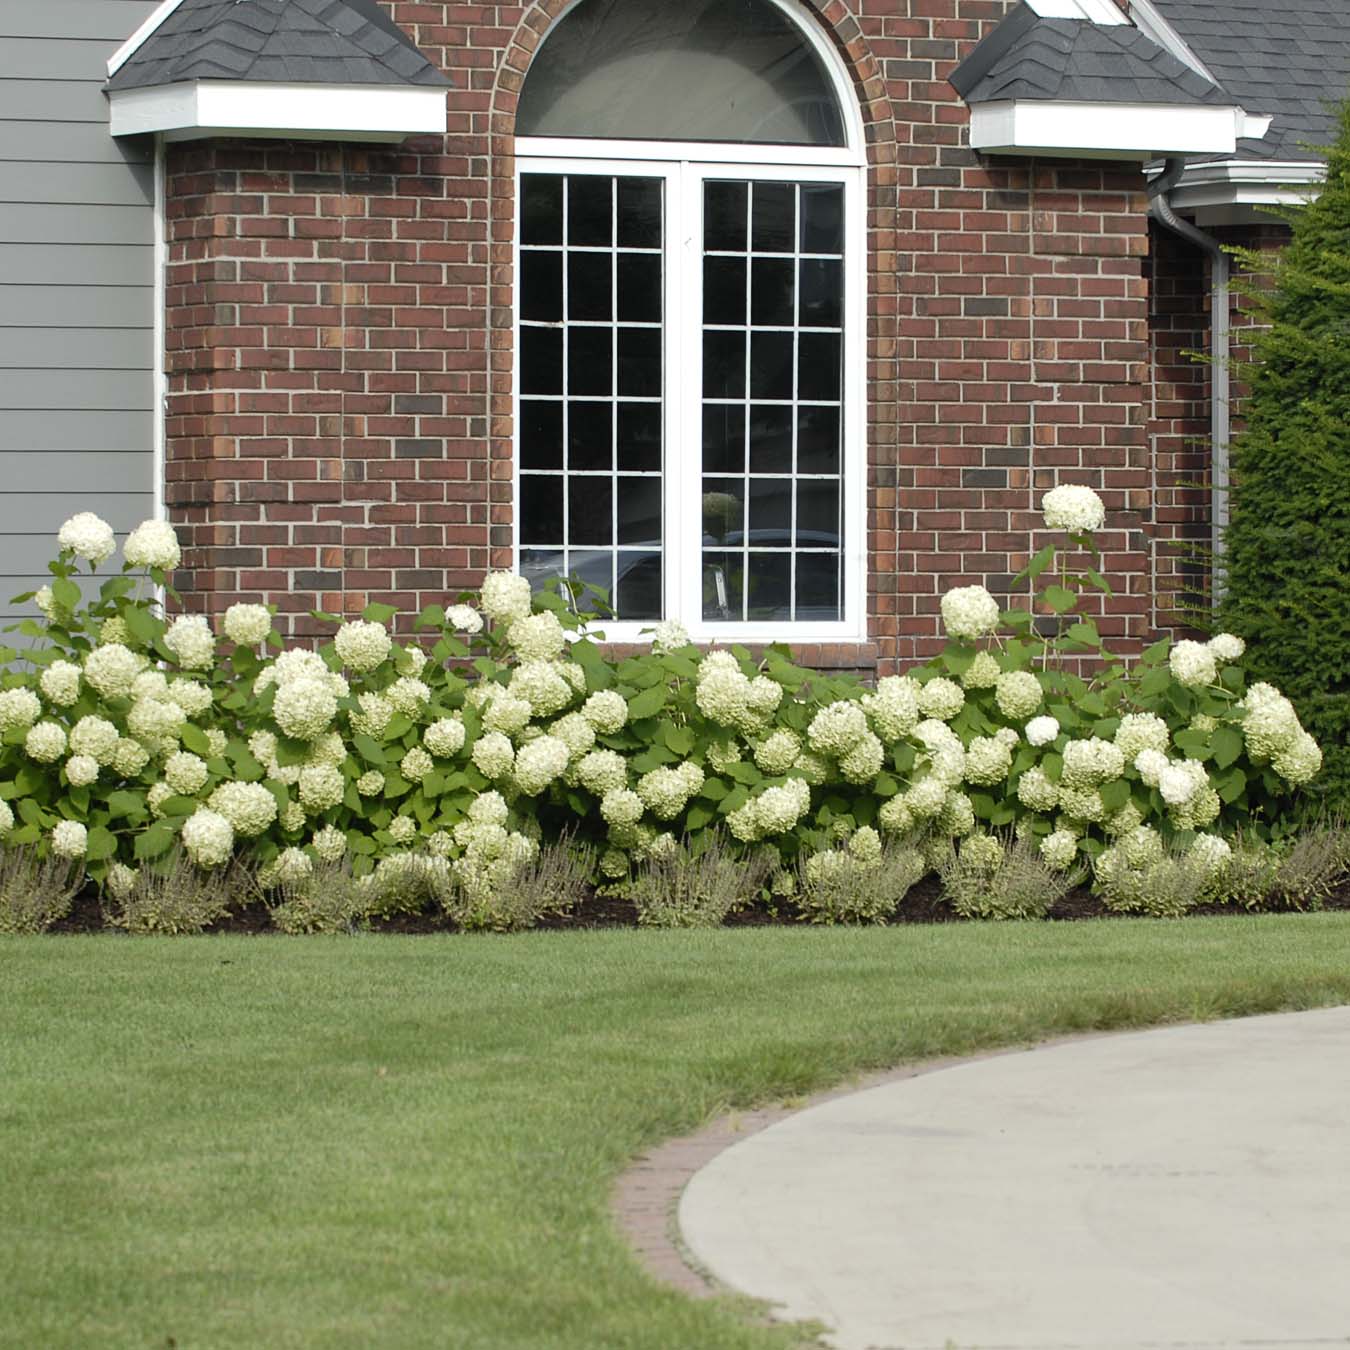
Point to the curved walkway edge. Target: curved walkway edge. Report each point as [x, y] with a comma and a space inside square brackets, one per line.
[1187, 1186]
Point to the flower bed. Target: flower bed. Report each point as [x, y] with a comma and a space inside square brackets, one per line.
[502, 762]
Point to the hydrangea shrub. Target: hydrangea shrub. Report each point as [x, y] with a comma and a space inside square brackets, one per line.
[432, 769]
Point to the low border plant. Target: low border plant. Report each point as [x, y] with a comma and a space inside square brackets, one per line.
[435, 770]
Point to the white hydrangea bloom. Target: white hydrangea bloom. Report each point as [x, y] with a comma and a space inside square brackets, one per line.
[1269, 724]
[1300, 761]
[1181, 780]
[893, 708]
[1036, 792]
[262, 745]
[299, 663]
[403, 829]
[150, 684]
[190, 639]
[621, 806]
[292, 818]
[1192, 664]
[539, 763]
[371, 783]
[1018, 694]
[537, 637]
[191, 695]
[130, 757]
[159, 794]
[70, 839]
[321, 787]
[45, 600]
[153, 544]
[249, 807]
[330, 844]
[982, 850]
[330, 748]
[493, 755]
[1141, 731]
[1226, 647]
[862, 762]
[95, 737]
[947, 757]
[575, 732]
[669, 636]
[957, 816]
[416, 764]
[88, 537]
[1073, 508]
[1042, 730]
[60, 683]
[1128, 818]
[723, 693]
[896, 816]
[1081, 803]
[19, 709]
[1058, 850]
[464, 619]
[45, 742]
[81, 770]
[665, 791]
[289, 868]
[988, 760]
[602, 771]
[489, 808]
[764, 695]
[982, 673]
[6, 818]
[925, 799]
[1149, 765]
[1091, 762]
[247, 625]
[208, 837]
[409, 695]
[185, 773]
[722, 754]
[508, 714]
[362, 645]
[777, 753]
[505, 596]
[304, 708]
[542, 686]
[606, 711]
[445, 737]
[114, 629]
[1209, 851]
[969, 612]
[121, 881]
[941, 698]
[111, 670]
[374, 717]
[837, 728]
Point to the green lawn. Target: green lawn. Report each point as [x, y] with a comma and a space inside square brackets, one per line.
[403, 1142]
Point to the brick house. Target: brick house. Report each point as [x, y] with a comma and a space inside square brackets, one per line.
[773, 316]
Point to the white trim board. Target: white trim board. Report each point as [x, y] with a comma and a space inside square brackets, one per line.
[1105, 12]
[1105, 130]
[1232, 192]
[195, 109]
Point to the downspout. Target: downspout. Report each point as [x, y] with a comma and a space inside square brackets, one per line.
[1160, 208]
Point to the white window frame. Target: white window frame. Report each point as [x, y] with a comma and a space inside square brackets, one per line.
[684, 166]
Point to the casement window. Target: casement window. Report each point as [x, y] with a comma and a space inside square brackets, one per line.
[689, 332]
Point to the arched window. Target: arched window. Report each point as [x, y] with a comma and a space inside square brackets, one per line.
[690, 362]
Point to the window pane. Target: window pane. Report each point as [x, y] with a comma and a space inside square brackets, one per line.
[723, 601]
[822, 293]
[822, 218]
[818, 597]
[640, 287]
[639, 585]
[541, 367]
[724, 290]
[819, 366]
[541, 220]
[566, 520]
[768, 586]
[771, 365]
[588, 286]
[771, 512]
[723, 365]
[699, 70]
[640, 437]
[541, 294]
[541, 435]
[770, 438]
[595, 568]
[590, 210]
[590, 435]
[773, 218]
[725, 207]
[639, 212]
[772, 293]
[724, 509]
[817, 513]
[723, 438]
[818, 440]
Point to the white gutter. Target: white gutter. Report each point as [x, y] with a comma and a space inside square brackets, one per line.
[1161, 209]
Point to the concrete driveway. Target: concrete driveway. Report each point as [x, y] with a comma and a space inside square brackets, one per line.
[1185, 1187]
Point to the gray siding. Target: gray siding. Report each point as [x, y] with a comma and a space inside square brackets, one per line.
[76, 286]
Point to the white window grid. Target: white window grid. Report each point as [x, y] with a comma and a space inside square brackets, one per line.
[685, 166]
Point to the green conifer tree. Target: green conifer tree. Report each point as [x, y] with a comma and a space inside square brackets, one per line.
[1288, 547]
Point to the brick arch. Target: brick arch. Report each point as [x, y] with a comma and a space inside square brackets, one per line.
[879, 134]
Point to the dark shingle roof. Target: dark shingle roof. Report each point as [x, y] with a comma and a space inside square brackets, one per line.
[1028, 57]
[1287, 58]
[281, 41]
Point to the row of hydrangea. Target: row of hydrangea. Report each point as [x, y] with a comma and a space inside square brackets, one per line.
[124, 733]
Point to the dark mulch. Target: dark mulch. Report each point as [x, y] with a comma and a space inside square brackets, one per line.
[923, 904]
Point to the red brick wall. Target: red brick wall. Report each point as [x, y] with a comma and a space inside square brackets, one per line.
[341, 365]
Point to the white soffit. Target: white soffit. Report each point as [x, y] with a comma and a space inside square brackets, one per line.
[197, 109]
[1232, 192]
[1104, 130]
